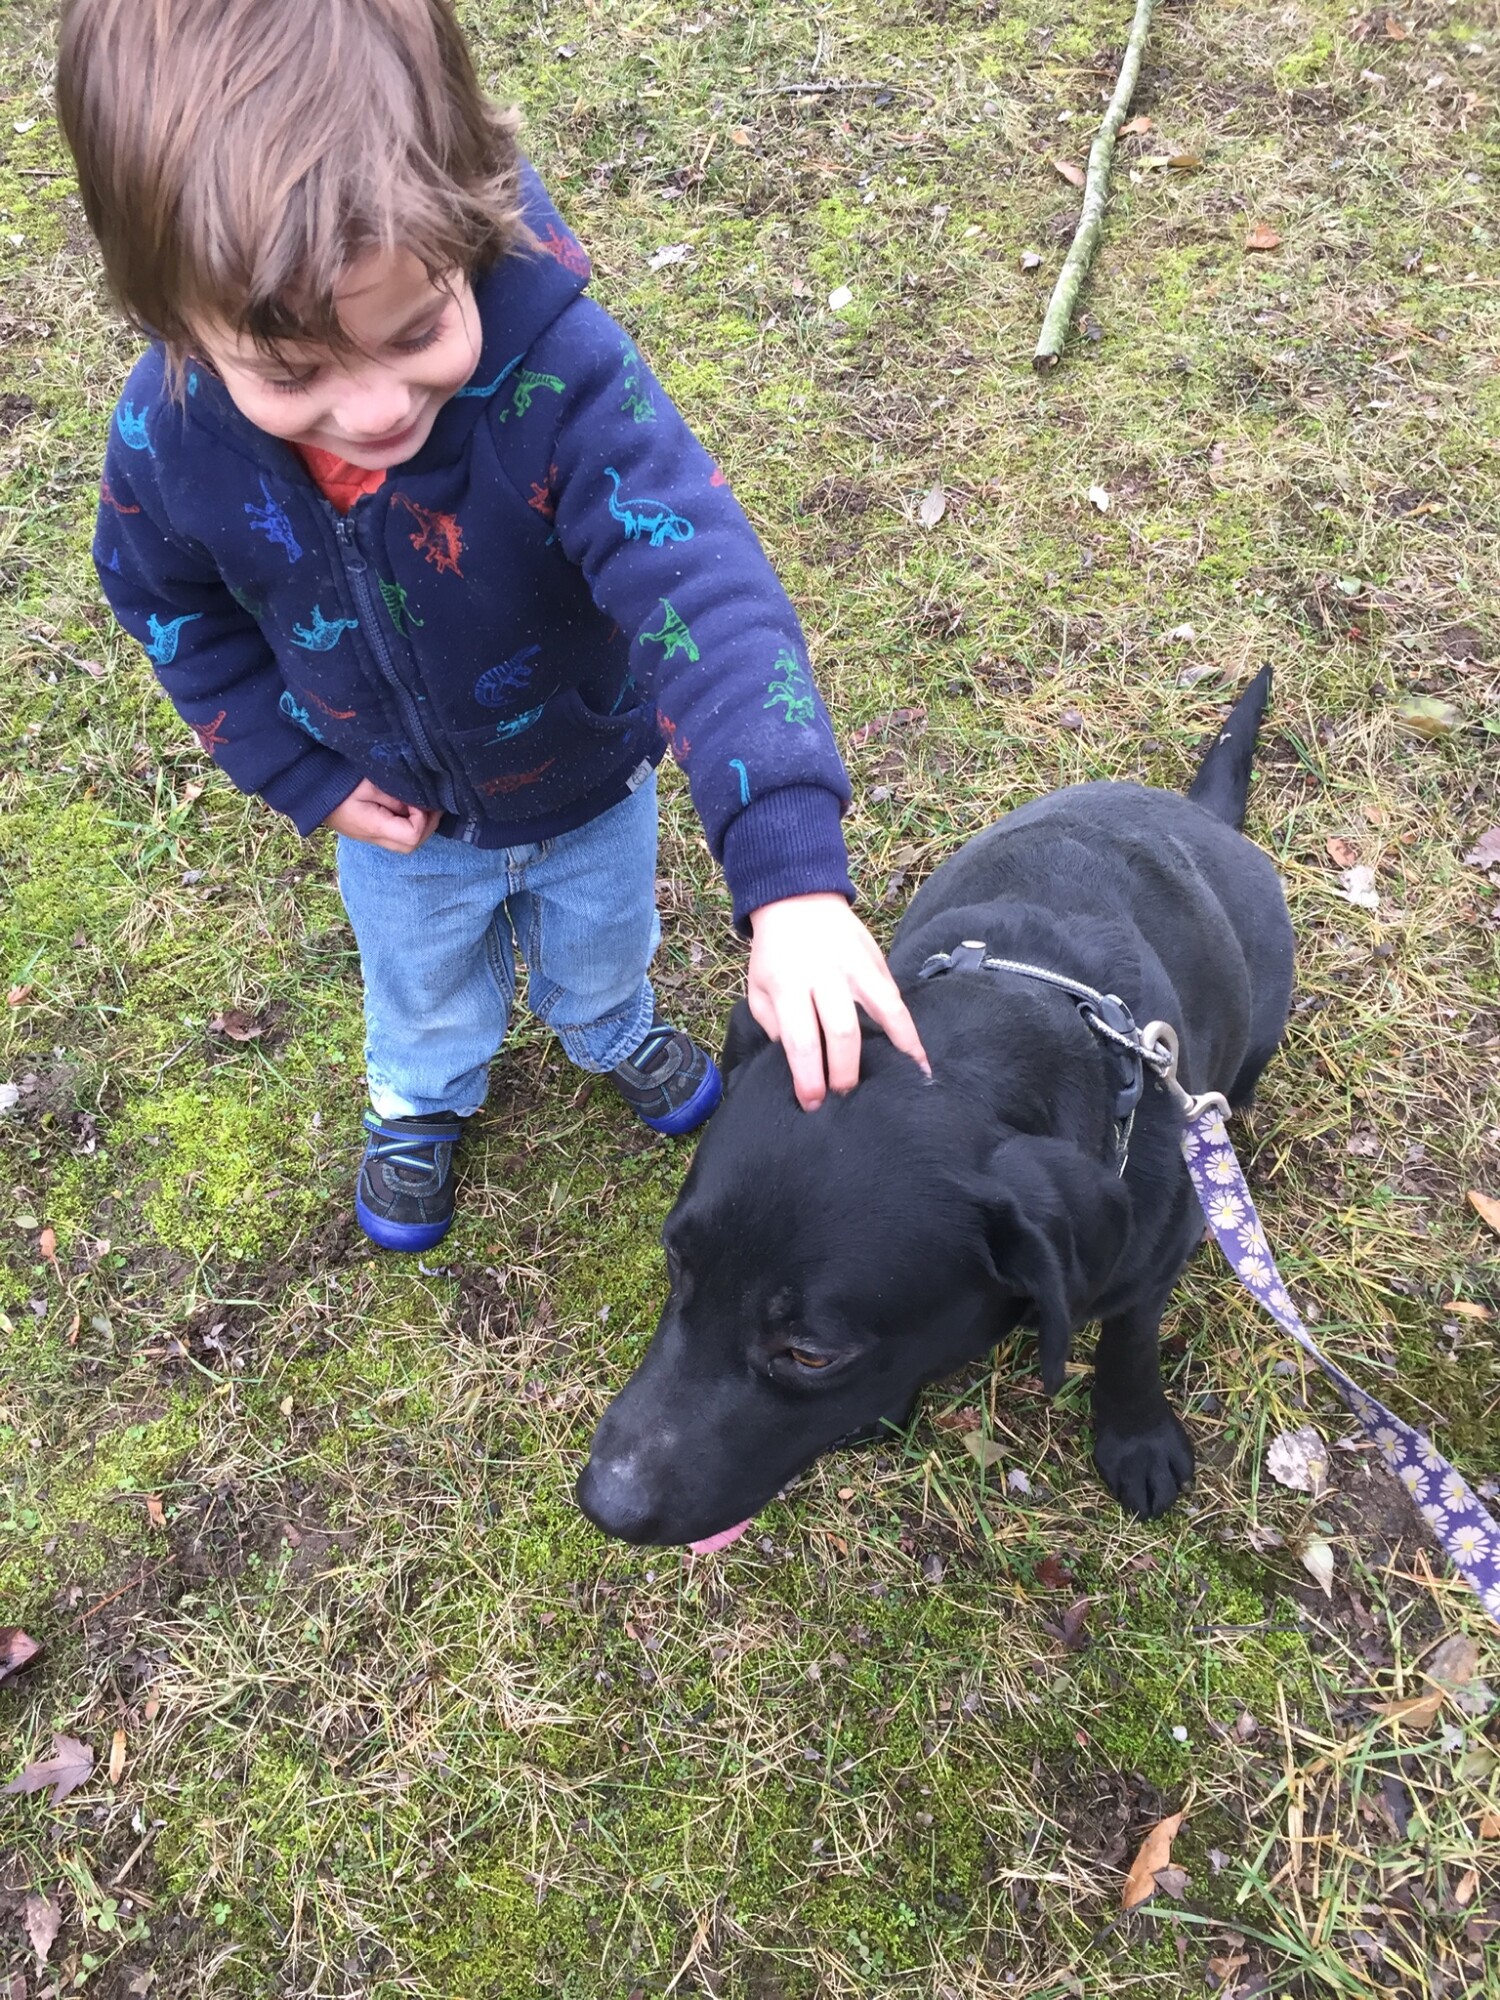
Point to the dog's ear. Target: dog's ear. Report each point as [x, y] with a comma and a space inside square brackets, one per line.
[744, 1038]
[1057, 1224]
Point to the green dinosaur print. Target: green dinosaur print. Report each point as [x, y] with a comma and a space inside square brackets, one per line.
[637, 396]
[527, 384]
[793, 693]
[674, 636]
[401, 614]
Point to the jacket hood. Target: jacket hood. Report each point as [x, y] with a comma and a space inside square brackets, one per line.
[517, 300]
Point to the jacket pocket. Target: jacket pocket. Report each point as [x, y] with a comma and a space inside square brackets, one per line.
[539, 760]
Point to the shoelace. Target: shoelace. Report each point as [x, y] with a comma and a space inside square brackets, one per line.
[409, 1152]
[652, 1044]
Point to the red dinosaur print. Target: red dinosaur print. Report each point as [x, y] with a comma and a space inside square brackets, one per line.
[718, 477]
[568, 251]
[515, 781]
[680, 748]
[210, 738]
[439, 539]
[106, 494]
[338, 714]
[544, 496]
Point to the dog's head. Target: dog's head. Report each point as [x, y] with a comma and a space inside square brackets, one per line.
[823, 1266]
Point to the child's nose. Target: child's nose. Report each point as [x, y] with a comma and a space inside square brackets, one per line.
[373, 406]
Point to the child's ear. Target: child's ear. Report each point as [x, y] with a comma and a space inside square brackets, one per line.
[744, 1038]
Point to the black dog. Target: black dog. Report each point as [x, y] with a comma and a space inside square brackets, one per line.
[825, 1265]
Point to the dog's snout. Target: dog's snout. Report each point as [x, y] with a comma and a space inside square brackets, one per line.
[613, 1495]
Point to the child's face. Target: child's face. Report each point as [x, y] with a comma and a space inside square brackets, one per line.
[414, 343]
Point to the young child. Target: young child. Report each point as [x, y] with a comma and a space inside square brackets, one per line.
[421, 551]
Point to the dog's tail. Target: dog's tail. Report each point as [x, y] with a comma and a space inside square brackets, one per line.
[1223, 781]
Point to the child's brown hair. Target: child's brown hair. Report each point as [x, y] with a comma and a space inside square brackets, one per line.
[236, 155]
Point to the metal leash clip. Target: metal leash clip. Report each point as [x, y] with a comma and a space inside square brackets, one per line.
[1159, 1048]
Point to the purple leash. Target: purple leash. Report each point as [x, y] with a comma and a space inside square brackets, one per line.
[1449, 1505]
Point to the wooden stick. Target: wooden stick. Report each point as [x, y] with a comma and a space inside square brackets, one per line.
[1096, 184]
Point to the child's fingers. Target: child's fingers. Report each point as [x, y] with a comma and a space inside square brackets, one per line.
[841, 1038]
[797, 1031]
[881, 999]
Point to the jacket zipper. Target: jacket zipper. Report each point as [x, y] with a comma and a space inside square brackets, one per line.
[358, 572]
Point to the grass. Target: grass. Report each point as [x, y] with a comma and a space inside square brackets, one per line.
[394, 1721]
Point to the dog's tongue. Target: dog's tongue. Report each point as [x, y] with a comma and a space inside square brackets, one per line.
[712, 1543]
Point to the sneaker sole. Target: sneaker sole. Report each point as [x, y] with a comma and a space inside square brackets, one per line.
[699, 1108]
[408, 1236]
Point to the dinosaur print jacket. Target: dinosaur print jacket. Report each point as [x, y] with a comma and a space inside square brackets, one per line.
[510, 629]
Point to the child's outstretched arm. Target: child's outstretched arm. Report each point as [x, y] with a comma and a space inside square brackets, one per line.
[668, 553]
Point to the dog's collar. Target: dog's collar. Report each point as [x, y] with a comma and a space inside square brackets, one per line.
[1105, 1014]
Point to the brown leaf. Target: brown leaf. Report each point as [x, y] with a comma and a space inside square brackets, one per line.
[237, 1025]
[1487, 1208]
[17, 1649]
[1485, 853]
[1074, 176]
[1467, 1309]
[1396, 31]
[46, 1245]
[156, 1514]
[1185, 163]
[1224, 1969]
[1416, 1709]
[1425, 715]
[70, 1765]
[1464, 1887]
[1140, 123]
[116, 1756]
[1072, 1632]
[1453, 1663]
[1051, 1575]
[1489, 1826]
[1155, 1852]
[17, 996]
[43, 1921]
[1172, 1879]
[985, 1450]
[1342, 853]
[880, 725]
[1263, 237]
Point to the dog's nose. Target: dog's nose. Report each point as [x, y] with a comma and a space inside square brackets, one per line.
[611, 1495]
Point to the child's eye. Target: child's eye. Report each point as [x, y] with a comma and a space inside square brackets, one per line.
[421, 341]
[292, 385]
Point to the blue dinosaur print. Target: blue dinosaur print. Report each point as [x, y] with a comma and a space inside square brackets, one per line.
[627, 686]
[637, 396]
[652, 520]
[112, 561]
[274, 523]
[322, 634]
[292, 709]
[495, 683]
[737, 764]
[131, 424]
[793, 693]
[162, 650]
[193, 383]
[517, 723]
[489, 388]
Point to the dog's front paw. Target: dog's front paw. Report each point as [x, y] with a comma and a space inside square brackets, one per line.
[1145, 1469]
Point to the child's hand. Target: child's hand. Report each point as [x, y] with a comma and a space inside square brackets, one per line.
[811, 961]
[371, 815]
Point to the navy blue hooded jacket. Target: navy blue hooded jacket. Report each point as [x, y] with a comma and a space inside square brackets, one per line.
[509, 628]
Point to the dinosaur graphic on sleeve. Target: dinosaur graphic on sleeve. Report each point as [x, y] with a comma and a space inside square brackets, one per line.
[162, 650]
[793, 693]
[527, 384]
[674, 636]
[489, 388]
[210, 734]
[107, 495]
[273, 521]
[637, 396]
[320, 634]
[568, 251]
[647, 520]
[737, 765]
[292, 709]
[134, 434]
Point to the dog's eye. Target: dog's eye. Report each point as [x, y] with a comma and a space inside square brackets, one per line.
[805, 1360]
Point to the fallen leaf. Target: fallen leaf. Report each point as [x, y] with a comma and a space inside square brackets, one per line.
[1072, 1628]
[1417, 1709]
[1342, 853]
[1263, 237]
[70, 1765]
[43, 1920]
[1464, 1887]
[10, 1096]
[17, 1649]
[1486, 1208]
[1074, 176]
[739, 136]
[1017, 1480]
[1172, 1879]
[1489, 1826]
[1357, 886]
[1396, 31]
[1299, 1459]
[897, 718]
[1453, 1663]
[1030, 261]
[1485, 853]
[1185, 163]
[1051, 1575]
[1317, 1560]
[236, 1025]
[116, 1756]
[156, 1514]
[1155, 1852]
[1467, 1309]
[17, 995]
[46, 1245]
[839, 297]
[1140, 123]
[1224, 1969]
[1425, 715]
[1099, 498]
[669, 253]
[934, 506]
[984, 1449]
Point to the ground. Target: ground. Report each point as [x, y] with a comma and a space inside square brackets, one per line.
[376, 1712]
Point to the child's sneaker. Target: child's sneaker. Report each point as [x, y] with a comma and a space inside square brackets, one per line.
[404, 1197]
[669, 1082]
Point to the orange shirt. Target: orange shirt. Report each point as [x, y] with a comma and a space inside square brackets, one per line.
[336, 479]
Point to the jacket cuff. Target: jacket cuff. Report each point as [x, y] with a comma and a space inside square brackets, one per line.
[788, 843]
[312, 788]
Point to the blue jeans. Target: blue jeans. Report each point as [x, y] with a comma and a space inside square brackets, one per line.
[439, 932]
